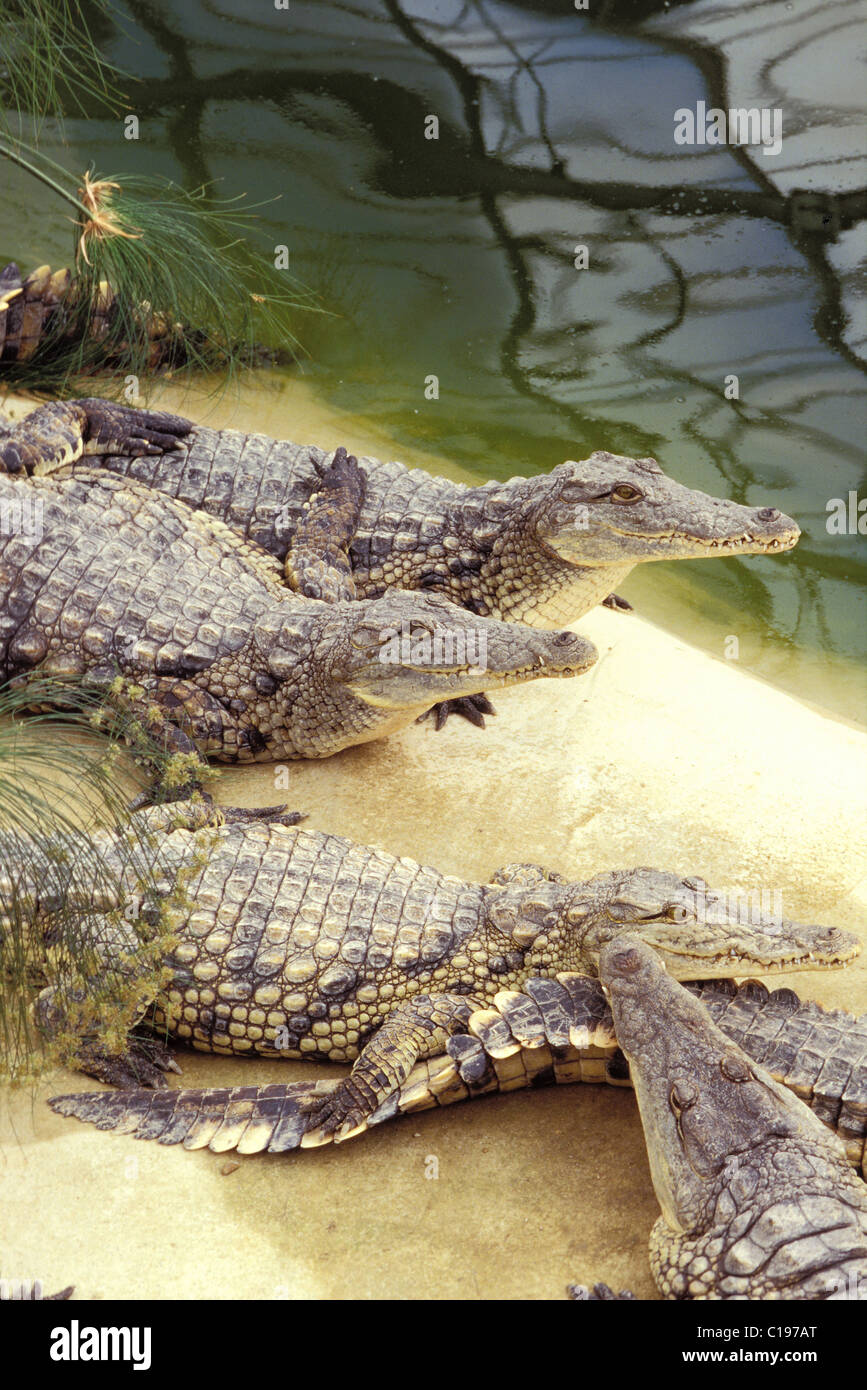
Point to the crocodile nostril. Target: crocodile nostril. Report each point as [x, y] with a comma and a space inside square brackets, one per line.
[769, 514]
[734, 1068]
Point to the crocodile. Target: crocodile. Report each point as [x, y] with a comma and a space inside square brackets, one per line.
[42, 311]
[103, 578]
[540, 551]
[556, 1031]
[757, 1199]
[303, 944]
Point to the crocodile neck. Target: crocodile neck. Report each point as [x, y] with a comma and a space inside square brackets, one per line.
[474, 546]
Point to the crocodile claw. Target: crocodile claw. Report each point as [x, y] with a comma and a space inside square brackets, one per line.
[620, 605]
[274, 815]
[336, 1116]
[161, 795]
[119, 429]
[600, 1293]
[471, 707]
[142, 1064]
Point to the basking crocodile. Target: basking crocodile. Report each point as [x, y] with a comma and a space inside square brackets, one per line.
[101, 577]
[555, 1032]
[757, 1199]
[301, 944]
[43, 312]
[541, 551]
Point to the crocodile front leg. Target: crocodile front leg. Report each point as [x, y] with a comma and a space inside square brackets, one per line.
[187, 724]
[60, 432]
[165, 722]
[143, 1062]
[524, 874]
[318, 563]
[61, 1009]
[416, 1030]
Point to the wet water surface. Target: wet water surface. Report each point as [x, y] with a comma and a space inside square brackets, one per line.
[455, 257]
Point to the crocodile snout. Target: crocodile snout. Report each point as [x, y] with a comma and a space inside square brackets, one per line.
[776, 529]
[566, 649]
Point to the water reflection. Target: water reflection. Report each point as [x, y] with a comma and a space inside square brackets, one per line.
[456, 256]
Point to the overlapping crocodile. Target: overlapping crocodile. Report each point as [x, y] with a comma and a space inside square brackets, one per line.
[301, 944]
[541, 551]
[757, 1198]
[111, 579]
[555, 1032]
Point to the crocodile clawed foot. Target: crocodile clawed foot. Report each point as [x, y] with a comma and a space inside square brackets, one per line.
[620, 605]
[119, 429]
[335, 1117]
[600, 1293]
[144, 1063]
[161, 795]
[471, 707]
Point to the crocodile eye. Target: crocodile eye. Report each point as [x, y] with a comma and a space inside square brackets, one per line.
[624, 492]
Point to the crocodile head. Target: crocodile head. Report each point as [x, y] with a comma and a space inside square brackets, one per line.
[699, 933]
[618, 511]
[756, 1197]
[375, 665]
[687, 1087]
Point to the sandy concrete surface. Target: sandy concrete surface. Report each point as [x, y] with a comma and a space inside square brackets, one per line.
[660, 755]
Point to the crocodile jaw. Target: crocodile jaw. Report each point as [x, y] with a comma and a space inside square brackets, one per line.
[698, 949]
[699, 932]
[684, 545]
[617, 545]
[513, 656]
[695, 1117]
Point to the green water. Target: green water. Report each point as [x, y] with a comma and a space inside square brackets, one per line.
[454, 258]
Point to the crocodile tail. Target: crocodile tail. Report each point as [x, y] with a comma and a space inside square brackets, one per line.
[260, 1119]
[251, 1119]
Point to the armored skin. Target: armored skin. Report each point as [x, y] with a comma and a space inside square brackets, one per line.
[555, 1032]
[302, 944]
[540, 551]
[757, 1198]
[118, 581]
